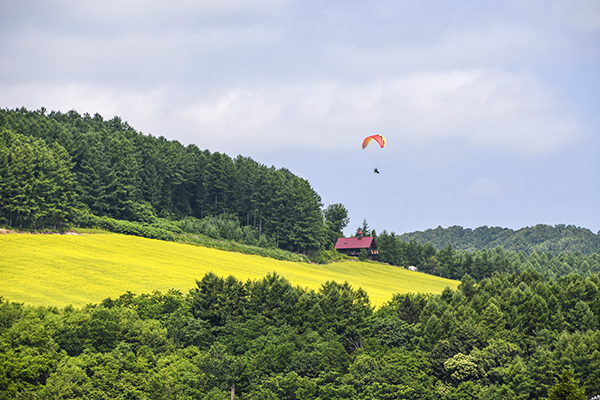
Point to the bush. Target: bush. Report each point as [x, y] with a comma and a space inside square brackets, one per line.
[88, 220]
[324, 256]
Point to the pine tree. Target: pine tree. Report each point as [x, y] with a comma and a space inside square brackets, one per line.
[566, 388]
[307, 227]
[336, 219]
[96, 179]
[35, 181]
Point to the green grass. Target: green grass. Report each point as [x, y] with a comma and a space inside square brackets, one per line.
[58, 270]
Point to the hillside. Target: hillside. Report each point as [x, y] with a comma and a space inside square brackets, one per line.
[59, 270]
[55, 167]
[540, 238]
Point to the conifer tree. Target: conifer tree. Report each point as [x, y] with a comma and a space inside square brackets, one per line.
[566, 388]
[36, 184]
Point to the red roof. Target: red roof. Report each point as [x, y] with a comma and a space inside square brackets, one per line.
[354, 243]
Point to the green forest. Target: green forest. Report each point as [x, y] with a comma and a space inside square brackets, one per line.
[512, 336]
[541, 238]
[57, 168]
[480, 264]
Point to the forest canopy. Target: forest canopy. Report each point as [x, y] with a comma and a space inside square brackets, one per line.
[117, 172]
[541, 238]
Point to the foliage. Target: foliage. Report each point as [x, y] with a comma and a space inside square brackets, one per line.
[539, 238]
[519, 316]
[36, 184]
[480, 264]
[273, 340]
[125, 227]
[121, 174]
[566, 388]
[336, 219]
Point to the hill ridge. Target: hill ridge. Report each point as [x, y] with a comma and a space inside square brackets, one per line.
[555, 239]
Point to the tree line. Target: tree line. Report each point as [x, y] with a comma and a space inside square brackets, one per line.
[106, 168]
[512, 336]
[540, 238]
[481, 264]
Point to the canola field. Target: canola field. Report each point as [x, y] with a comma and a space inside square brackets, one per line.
[60, 270]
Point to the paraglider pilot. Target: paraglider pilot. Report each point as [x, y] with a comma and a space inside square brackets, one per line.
[379, 139]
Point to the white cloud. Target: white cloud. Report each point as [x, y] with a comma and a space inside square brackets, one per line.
[128, 15]
[231, 74]
[464, 47]
[488, 109]
[141, 109]
[512, 113]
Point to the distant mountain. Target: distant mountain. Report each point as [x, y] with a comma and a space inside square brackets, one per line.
[546, 238]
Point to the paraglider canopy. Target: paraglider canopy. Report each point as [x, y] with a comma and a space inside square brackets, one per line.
[377, 137]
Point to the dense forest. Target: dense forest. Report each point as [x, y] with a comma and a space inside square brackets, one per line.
[55, 166]
[480, 264]
[513, 336]
[540, 238]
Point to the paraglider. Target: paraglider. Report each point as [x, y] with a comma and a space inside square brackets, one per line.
[377, 137]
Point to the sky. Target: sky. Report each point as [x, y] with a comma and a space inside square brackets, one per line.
[490, 108]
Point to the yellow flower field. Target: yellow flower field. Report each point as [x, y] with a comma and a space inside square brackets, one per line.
[58, 270]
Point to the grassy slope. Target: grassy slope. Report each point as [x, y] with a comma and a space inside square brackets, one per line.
[57, 270]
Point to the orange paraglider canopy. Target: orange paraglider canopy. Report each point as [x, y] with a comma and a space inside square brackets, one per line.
[378, 138]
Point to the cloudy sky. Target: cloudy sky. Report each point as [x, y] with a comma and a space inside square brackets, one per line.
[490, 108]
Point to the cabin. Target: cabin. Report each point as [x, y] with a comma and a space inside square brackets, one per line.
[352, 246]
